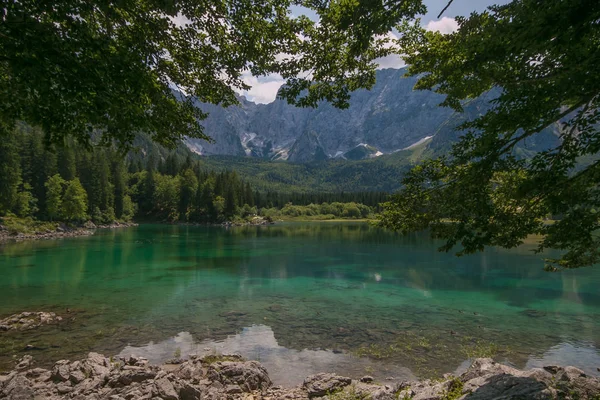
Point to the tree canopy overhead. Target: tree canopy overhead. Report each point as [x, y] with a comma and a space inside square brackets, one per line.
[73, 67]
[543, 60]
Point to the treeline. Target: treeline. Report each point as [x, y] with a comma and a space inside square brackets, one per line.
[320, 211]
[71, 182]
[66, 182]
[75, 183]
[280, 200]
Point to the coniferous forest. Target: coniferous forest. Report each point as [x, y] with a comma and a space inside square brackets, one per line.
[75, 183]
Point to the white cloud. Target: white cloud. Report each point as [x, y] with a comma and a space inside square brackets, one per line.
[180, 20]
[444, 25]
[264, 88]
[391, 61]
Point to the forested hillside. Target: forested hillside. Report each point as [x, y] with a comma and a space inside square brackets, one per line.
[75, 183]
[381, 174]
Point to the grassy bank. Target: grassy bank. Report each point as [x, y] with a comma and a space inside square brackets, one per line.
[14, 225]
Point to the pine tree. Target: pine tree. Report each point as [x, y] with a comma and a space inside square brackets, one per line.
[98, 186]
[248, 195]
[147, 190]
[10, 171]
[230, 203]
[38, 163]
[188, 188]
[119, 179]
[66, 161]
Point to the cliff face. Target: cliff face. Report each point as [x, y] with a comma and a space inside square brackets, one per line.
[389, 117]
[307, 148]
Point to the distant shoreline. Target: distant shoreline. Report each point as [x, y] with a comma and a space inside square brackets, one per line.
[60, 232]
[308, 219]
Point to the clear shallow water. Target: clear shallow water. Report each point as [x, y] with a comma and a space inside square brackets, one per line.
[301, 298]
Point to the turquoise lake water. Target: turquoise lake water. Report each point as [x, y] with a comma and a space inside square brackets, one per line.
[299, 297]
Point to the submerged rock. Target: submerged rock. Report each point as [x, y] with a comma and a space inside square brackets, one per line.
[28, 320]
[230, 377]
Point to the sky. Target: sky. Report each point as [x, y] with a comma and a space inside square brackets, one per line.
[264, 88]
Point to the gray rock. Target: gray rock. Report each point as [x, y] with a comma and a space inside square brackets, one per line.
[233, 389]
[95, 378]
[165, 389]
[76, 376]
[248, 375]
[28, 320]
[189, 392]
[18, 388]
[39, 374]
[63, 388]
[322, 384]
[24, 363]
[61, 371]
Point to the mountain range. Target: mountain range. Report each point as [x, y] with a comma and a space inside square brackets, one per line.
[386, 119]
[367, 147]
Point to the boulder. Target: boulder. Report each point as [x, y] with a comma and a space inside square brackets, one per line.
[248, 375]
[322, 384]
[165, 389]
[61, 371]
[189, 392]
[17, 388]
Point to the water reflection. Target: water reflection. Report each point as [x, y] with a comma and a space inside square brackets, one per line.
[339, 286]
[287, 367]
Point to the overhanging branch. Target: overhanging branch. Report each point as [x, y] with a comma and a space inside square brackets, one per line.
[445, 8]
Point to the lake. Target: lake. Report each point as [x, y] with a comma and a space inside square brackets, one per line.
[299, 297]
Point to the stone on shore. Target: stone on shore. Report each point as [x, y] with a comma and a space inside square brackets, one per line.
[322, 384]
[230, 377]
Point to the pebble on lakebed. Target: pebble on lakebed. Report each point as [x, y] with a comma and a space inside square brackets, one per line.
[230, 377]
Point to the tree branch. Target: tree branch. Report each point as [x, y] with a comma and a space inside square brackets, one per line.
[445, 8]
[510, 143]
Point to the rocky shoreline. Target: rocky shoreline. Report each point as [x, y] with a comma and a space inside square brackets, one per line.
[61, 231]
[256, 221]
[230, 377]
[87, 229]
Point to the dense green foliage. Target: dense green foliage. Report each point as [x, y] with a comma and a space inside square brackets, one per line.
[322, 211]
[67, 183]
[77, 183]
[74, 67]
[379, 174]
[74, 203]
[541, 58]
